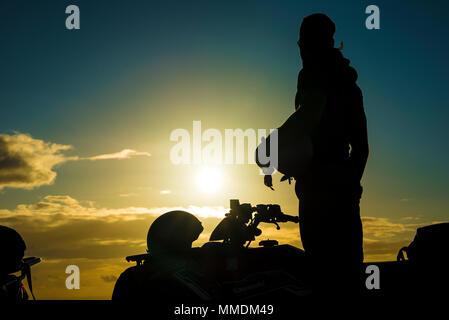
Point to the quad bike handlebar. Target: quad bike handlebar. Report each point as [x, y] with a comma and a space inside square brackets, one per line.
[240, 226]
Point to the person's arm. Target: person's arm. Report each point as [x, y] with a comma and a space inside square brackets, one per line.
[358, 137]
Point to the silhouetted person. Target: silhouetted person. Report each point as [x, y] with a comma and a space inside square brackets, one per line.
[169, 241]
[11, 255]
[329, 193]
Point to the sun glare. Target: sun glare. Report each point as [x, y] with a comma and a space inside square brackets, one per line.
[209, 179]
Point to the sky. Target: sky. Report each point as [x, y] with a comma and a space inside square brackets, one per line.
[86, 117]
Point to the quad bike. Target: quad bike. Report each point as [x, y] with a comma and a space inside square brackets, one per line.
[227, 269]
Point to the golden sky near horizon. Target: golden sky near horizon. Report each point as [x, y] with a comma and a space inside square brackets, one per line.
[64, 231]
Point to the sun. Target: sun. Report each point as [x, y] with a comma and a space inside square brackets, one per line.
[209, 179]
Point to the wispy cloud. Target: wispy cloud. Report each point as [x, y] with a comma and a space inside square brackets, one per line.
[64, 206]
[124, 154]
[385, 228]
[127, 195]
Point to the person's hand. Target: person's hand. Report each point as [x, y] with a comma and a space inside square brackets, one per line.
[268, 181]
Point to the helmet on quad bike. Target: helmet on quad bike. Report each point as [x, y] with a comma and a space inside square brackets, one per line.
[173, 232]
[12, 250]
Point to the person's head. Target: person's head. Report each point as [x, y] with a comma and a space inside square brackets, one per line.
[316, 35]
[173, 233]
[12, 249]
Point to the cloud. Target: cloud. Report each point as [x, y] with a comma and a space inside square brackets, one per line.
[201, 212]
[127, 195]
[385, 228]
[26, 162]
[165, 192]
[62, 207]
[124, 154]
[384, 237]
[109, 278]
